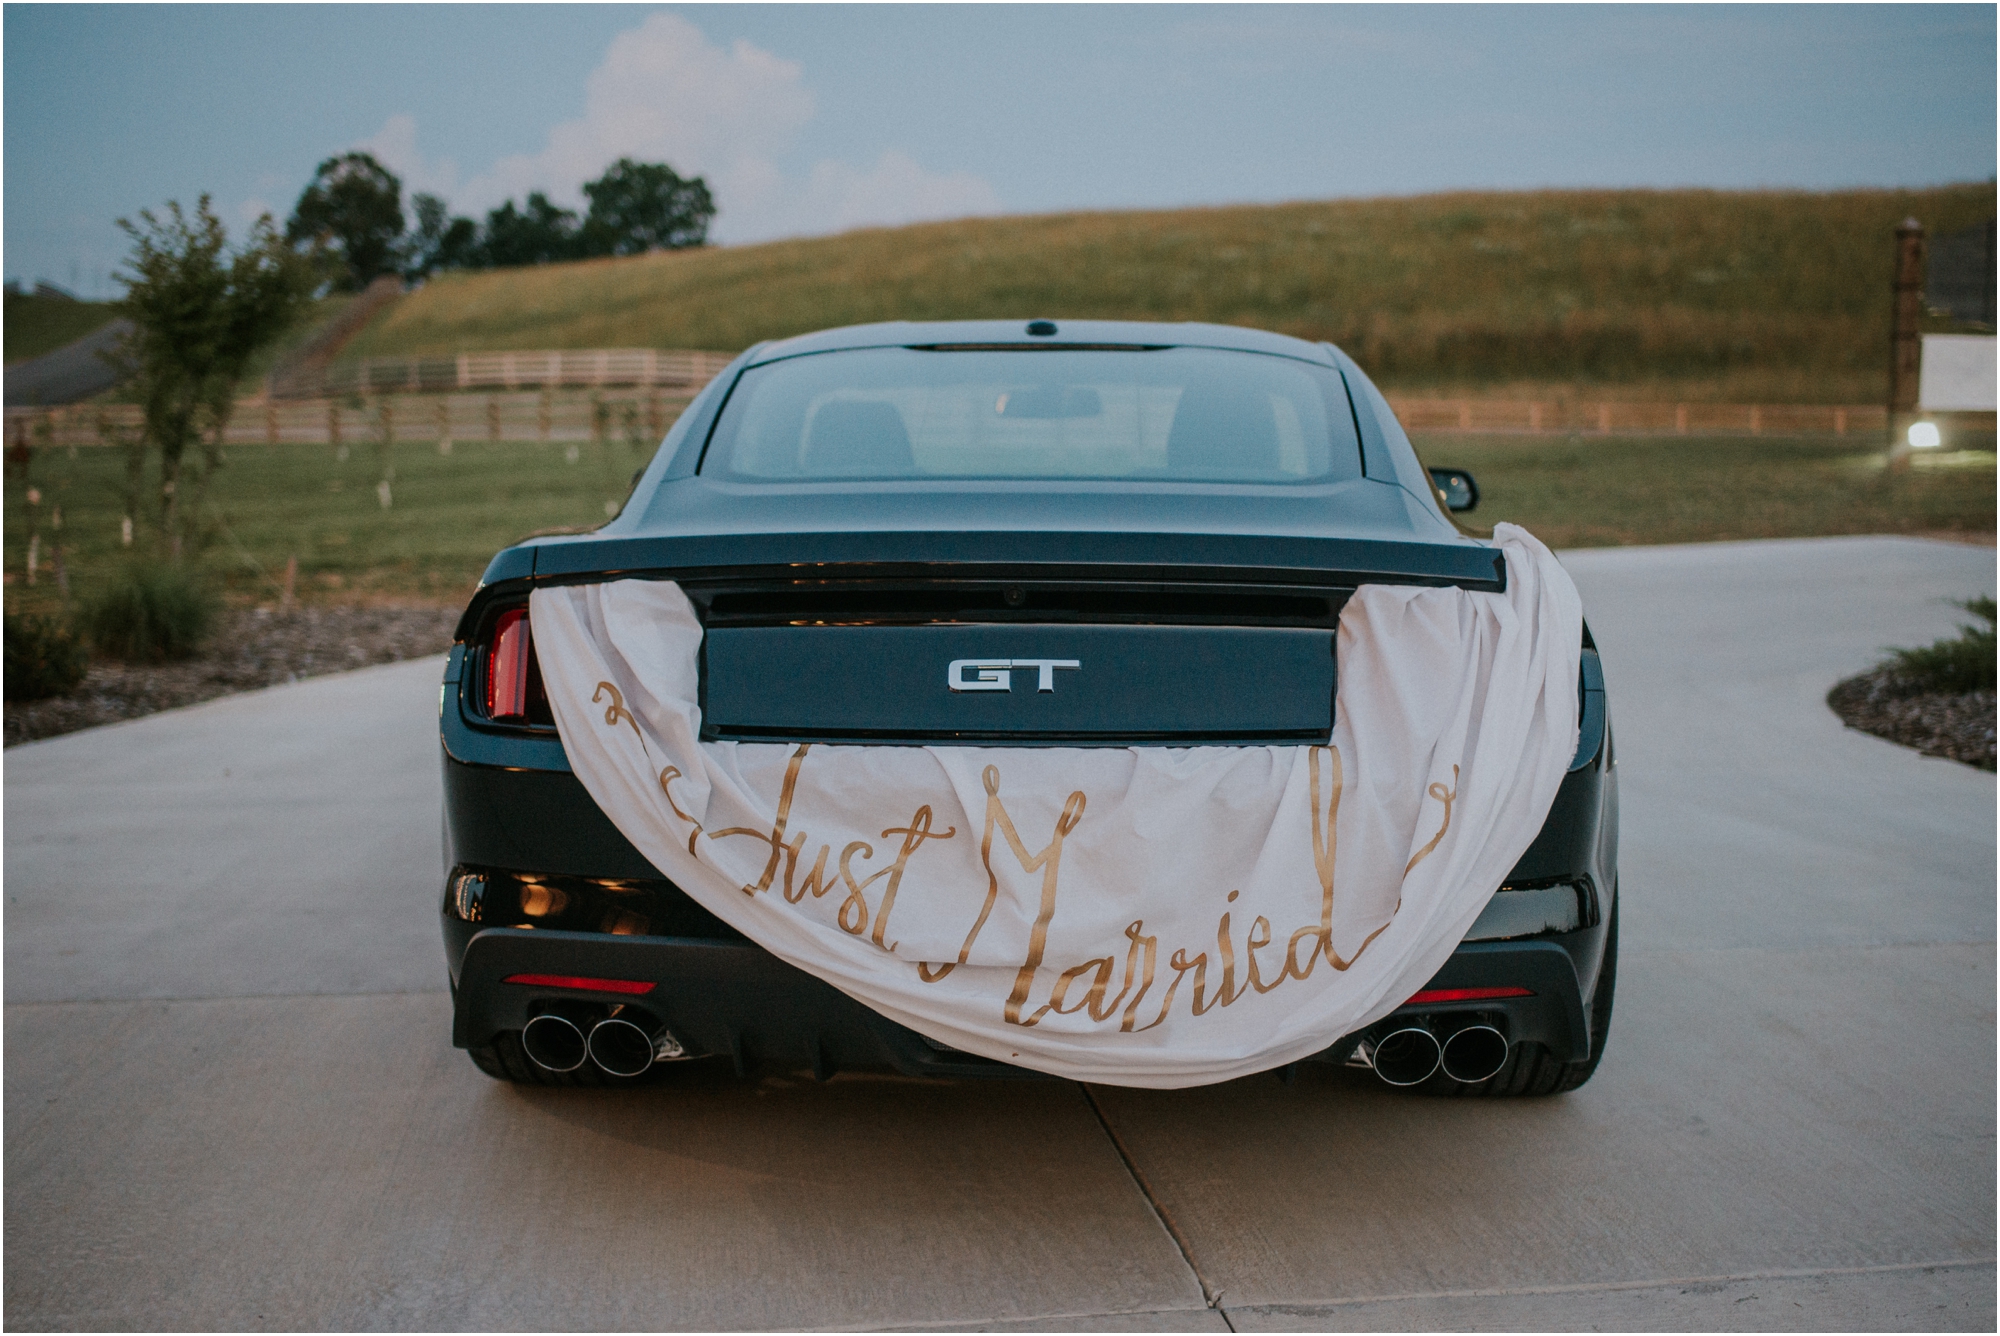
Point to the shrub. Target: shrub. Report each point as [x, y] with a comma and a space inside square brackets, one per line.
[1964, 663]
[152, 613]
[44, 657]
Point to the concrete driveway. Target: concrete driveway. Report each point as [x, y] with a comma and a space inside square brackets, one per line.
[231, 1099]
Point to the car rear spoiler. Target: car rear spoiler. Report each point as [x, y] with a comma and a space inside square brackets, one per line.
[1336, 562]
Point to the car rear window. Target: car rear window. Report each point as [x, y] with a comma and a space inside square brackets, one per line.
[1172, 414]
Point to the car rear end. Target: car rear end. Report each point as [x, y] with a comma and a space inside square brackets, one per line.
[891, 611]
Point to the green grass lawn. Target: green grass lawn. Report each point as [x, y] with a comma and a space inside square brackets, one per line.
[447, 517]
[1590, 491]
[451, 513]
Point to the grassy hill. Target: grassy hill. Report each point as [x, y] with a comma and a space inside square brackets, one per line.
[1758, 295]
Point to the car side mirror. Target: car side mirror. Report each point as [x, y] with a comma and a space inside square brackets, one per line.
[1455, 488]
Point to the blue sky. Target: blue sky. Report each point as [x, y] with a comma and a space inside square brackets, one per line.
[817, 118]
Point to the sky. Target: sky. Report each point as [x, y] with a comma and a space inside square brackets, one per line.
[813, 119]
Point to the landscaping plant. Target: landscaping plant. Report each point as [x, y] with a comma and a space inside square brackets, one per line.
[152, 613]
[1964, 662]
[44, 657]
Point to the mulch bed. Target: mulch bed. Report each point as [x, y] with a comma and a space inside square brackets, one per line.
[249, 648]
[1955, 725]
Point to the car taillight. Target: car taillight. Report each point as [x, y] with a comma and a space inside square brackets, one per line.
[580, 983]
[1431, 996]
[514, 691]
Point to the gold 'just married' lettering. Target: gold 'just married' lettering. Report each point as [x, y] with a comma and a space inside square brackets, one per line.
[1084, 988]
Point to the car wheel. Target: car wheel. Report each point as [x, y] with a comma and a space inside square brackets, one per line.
[505, 1060]
[1532, 1069]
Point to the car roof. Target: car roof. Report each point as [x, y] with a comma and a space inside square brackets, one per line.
[1068, 333]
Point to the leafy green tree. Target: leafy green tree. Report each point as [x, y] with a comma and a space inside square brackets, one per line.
[352, 214]
[199, 313]
[439, 241]
[637, 207]
[537, 234]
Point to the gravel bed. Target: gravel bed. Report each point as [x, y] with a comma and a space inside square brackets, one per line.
[248, 649]
[1955, 725]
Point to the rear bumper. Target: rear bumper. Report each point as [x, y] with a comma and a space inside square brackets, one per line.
[734, 1000]
[728, 1000]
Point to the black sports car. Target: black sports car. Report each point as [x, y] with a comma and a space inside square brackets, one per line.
[1156, 491]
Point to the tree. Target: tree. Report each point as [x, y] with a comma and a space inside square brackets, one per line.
[537, 234]
[440, 241]
[637, 207]
[352, 213]
[198, 315]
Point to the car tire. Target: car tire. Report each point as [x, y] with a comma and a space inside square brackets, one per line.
[1531, 1069]
[505, 1060]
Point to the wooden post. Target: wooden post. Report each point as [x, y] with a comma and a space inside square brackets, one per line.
[492, 418]
[1534, 417]
[1840, 422]
[1756, 420]
[270, 424]
[1905, 347]
[1604, 418]
[1681, 418]
[1464, 415]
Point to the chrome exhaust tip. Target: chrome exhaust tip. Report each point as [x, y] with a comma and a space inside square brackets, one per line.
[629, 1041]
[554, 1042]
[1408, 1056]
[1474, 1054]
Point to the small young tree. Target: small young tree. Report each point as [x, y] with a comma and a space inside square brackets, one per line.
[352, 213]
[199, 313]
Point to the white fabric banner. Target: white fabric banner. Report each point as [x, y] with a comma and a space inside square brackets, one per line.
[1141, 916]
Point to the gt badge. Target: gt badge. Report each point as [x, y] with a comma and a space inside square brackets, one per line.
[996, 674]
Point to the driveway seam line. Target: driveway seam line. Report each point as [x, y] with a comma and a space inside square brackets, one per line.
[1211, 1296]
[1615, 1286]
[217, 997]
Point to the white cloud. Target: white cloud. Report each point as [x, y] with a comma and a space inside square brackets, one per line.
[395, 147]
[665, 93]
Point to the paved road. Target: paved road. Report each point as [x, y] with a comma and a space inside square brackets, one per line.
[231, 1099]
[71, 373]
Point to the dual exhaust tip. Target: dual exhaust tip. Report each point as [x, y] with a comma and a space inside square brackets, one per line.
[1412, 1054]
[623, 1042]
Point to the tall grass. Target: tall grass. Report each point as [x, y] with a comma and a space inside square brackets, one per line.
[1711, 291]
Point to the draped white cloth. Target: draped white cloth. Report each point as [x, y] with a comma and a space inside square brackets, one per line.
[1139, 916]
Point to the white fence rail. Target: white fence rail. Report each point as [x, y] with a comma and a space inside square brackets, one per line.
[640, 417]
[667, 369]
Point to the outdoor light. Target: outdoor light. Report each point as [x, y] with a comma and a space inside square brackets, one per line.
[1924, 435]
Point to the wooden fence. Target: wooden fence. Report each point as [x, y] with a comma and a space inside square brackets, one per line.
[1604, 419]
[667, 369]
[640, 417]
[644, 412]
